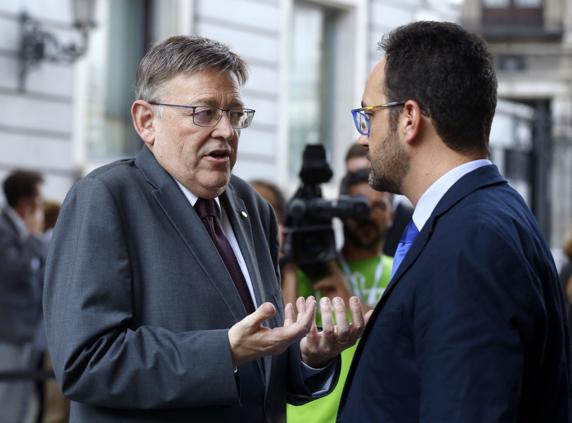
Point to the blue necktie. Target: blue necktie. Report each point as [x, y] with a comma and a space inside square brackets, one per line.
[407, 239]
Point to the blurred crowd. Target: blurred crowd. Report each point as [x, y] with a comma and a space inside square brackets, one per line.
[27, 391]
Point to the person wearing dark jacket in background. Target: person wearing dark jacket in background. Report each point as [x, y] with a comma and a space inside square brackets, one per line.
[22, 256]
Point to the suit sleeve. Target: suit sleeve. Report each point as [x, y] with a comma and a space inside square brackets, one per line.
[474, 327]
[100, 357]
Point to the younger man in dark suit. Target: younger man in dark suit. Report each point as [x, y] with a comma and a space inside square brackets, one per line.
[472, 326]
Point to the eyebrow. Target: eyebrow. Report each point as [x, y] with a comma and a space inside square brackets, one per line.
[210, 101]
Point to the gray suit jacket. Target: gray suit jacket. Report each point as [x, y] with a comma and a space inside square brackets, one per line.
[20, 303]
[138, 303]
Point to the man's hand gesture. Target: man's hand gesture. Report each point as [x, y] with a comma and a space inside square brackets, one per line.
[250, 339]
[317, 348]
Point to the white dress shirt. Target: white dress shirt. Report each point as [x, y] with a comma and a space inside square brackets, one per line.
[439, 188]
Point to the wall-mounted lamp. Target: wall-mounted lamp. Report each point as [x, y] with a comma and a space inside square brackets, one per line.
[38, 45]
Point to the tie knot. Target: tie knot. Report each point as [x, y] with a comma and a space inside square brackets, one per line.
[207, 208]
[410, 233]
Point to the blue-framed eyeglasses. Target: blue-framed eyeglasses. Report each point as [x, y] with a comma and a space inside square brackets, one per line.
[209, 116]
[362, 115]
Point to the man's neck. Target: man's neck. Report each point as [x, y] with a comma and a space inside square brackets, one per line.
[353, 253]
[424, 172]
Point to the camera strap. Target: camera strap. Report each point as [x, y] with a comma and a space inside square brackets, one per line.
[371, 298]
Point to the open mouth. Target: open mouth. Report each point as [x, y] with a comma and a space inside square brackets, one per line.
[220, 154]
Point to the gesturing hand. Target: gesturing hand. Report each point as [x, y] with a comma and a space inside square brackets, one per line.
[249, 339]
[318, 348]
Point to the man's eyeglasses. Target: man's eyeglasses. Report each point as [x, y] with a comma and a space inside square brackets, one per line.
[362, 115]
[208, 116]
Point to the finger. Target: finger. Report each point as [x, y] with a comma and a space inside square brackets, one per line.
[357, 314]
[261, 314]
[308, 315]
[289, 314]
[342, 327]
[300, 305]
[326, 311]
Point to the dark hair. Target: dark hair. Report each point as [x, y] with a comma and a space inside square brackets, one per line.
[21, 184]
[353, 178]
[450, 73]
[184, 54]
[355, 151]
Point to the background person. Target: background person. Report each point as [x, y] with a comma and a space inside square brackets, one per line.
[22, 253]
[472, 326]
[162, 300]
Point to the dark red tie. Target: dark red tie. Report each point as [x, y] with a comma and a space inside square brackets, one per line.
[210, 215]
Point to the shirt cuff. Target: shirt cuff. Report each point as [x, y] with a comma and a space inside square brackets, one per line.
[308, 372]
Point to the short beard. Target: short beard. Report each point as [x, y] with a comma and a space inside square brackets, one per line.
[389, 170]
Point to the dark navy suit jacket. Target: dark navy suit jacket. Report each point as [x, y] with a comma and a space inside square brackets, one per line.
[472, 328]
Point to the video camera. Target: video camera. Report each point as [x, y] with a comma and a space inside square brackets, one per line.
[309, 234]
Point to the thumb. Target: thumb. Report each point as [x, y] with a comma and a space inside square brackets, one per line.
[262, 313]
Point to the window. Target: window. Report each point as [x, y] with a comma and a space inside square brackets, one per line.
[116, 47]
[311, 84]
[528, 3]
[496, 3]
[525, 14]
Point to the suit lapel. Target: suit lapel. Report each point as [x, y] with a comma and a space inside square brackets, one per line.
[240, 221]
[477, 179]
[191, 230]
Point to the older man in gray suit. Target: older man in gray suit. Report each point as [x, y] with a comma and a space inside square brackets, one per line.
[22, 253]
[162, 296]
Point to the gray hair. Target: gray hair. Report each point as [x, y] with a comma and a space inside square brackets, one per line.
[184, 54]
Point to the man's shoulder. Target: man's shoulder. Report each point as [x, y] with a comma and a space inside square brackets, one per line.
[493, 206]
[112, 172]
[488, 220]
[120, 173]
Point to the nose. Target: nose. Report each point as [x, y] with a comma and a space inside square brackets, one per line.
[223, 128]
[363, 140]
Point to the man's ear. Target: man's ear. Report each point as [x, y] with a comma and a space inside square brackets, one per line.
[143, 117]
[410, 121]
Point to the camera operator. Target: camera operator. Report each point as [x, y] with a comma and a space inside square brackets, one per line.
[361, 269]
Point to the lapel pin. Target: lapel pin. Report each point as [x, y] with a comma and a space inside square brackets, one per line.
[244, 214]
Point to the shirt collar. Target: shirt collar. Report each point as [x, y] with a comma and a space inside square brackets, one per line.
[18, 222]
[439, 188]
[192, 198]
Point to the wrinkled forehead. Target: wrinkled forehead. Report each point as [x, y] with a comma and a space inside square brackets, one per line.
[210, 85]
